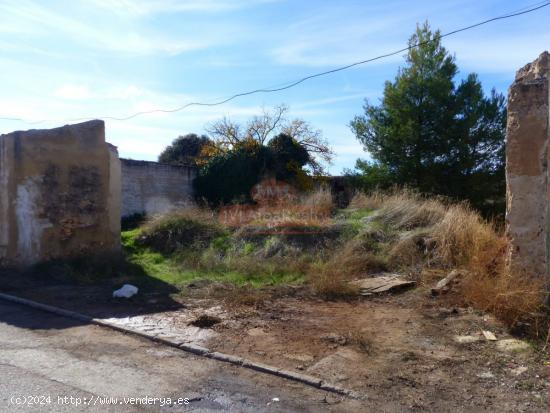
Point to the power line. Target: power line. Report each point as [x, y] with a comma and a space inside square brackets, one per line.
[519, 12]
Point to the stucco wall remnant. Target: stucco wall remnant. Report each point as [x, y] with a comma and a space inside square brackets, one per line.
[527, 183]
[59, 193]
[154, 188]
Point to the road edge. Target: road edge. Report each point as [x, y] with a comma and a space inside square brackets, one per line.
[189, 348]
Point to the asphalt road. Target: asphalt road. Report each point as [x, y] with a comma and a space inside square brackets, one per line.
[54, 364]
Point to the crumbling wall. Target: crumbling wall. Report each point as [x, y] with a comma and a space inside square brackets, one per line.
[59, 193]
[527, 184]
[154, 188]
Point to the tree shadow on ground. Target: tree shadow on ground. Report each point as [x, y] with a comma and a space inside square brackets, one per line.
[85, 285]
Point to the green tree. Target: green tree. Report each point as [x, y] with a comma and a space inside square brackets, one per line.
[229, 176]
[289, 157]
[433, 135]
[187, 149]
[369, 176]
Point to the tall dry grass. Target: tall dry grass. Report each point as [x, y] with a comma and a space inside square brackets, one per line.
[405, 209]
[310, 209]
[427, 232]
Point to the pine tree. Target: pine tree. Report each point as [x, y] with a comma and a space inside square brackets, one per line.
[430, 134]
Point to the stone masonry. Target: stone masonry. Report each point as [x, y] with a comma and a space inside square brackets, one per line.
[154, 188]
[527, 183]
[59, 193]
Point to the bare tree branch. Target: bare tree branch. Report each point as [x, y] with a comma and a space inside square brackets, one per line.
[225, 133]
[262, 128]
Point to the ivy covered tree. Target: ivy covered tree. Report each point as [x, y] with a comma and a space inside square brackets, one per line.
[230, 175]
[430, 133]
[188, 149]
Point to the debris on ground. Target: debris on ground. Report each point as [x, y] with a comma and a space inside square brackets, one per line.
[444, 285]
[512, 345]
[519, 370]
[126, 291]
[466, 339]
[335, 339]
[382, 284]
[205, 321]
[486, 375]
[489, 336]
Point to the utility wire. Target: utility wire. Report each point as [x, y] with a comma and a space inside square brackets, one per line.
[299, 81]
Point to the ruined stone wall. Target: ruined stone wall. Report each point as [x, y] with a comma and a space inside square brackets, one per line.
[153, 188]
[59, 193]
[527, 183]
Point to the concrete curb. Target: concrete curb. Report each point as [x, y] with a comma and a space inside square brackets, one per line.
[190, 348]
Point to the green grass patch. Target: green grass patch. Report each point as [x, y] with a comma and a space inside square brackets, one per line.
[355, 214]
[169, 269]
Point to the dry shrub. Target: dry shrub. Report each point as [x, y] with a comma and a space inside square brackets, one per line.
[331, 283]
[361, 200]
[320, 200]
[246, 296]
[437, 236]
[412, 249]
[357, 258]
[311, 209]
[464, 239]
[406, 210]
[511, 297]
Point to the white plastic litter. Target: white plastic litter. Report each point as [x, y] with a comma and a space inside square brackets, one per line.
[126, 291]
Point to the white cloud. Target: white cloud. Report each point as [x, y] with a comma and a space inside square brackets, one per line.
[93, 30]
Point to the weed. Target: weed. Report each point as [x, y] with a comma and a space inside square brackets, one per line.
[361, 340]
[174, 231]
[331, 283]
[432, 235]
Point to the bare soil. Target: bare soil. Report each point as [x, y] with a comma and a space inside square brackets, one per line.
[398, 351]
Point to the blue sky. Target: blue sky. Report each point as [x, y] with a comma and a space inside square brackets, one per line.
[72, 59]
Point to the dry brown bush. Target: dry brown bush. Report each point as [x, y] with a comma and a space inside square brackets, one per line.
[310, 209]
[411, 249]
[246, 296]
[406, 210]
[464, 239]
[331, 283]
[430, 234]
[372, 201]
[511, 297]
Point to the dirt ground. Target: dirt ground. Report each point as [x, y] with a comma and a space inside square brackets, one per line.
[396, 350]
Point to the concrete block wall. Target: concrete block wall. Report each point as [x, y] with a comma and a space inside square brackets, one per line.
[154, 188]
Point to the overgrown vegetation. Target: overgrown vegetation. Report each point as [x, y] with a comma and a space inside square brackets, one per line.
[411, 233]
[399, 231]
